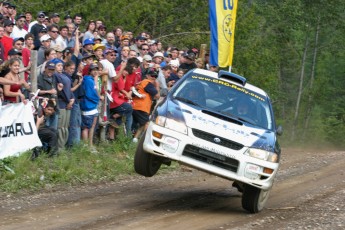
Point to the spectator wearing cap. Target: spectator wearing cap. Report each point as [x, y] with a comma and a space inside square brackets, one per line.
[67, 19]
[65, 102]
[145, 65]
[153, 47]
[98, 39]
[18, 29]
[37, 28]
[98, 51]
[45, 41]
[123, 57]
[55, 19]
[90, 29]
[18, 44]
[87, 46]
[6, 40]
[188, 61]
[88, 59]
[102, 32]
[56, 39]
[29, 41]
[46, 83]
[149, 89]
[138, 42]
[108, 67]
[28, 18]
[110, 41]
[158, 59]
[124, 41]
[89, 105]
[174, 65]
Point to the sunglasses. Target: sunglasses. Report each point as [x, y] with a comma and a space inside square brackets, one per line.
[144, 49]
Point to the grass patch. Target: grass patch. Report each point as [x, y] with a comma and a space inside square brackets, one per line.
[71, 167]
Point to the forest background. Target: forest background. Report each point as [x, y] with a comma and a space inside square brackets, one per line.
[293, 49]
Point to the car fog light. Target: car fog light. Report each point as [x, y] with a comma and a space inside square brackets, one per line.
[157, 134]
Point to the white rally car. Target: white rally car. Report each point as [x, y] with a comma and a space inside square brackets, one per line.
[218, 123]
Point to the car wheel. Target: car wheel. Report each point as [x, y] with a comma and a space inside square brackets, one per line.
[254, 199]
[145, 164]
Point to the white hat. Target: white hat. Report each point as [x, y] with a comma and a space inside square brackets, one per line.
[174, 63]
[158, 54]
[147, 57]
[45, 38]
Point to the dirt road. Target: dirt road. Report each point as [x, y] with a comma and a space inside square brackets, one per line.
[309, 193]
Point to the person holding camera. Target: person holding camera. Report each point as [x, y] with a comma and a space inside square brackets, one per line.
[46, 133]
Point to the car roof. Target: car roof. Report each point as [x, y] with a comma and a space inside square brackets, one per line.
[246, 85]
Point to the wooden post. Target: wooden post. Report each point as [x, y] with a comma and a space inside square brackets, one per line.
[202, 53]
[33, 70]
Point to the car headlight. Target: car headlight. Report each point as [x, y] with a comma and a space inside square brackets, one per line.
[172, 124]
[262, 155]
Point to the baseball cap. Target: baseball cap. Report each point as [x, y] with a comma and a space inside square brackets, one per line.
[20, 16]
[41, 14]
[140, 38]
[88, 41]
[18, 39]
[14, 52]
[45, 37]
[50, 65]
[67, 17]
[174, 63]
[109, 50]
[158, 54]
[43, 30]
[152, 72]
[93, 66]
[147, 57]
[88, 55]
[55, 15]
[8, 22]
[190, 56]
[102, 27]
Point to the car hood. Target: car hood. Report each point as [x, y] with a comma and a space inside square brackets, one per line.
[219, 125]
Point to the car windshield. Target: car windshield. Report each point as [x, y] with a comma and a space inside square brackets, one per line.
[228, 99]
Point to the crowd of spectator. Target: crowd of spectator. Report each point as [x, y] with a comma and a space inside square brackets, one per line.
[96, 78]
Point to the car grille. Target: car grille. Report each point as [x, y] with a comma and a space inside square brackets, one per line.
[211, 158]
[211, 138]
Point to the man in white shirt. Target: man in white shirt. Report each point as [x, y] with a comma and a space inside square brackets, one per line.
[18, 29]
[108, 66]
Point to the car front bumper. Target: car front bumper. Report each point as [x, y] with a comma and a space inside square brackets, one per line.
[208, 156]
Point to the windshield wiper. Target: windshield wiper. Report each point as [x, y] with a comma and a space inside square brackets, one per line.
[186, 101]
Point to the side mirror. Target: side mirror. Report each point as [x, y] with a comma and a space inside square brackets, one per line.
[279, 130]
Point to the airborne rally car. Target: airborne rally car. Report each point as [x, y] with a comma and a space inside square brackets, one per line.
[218, 123]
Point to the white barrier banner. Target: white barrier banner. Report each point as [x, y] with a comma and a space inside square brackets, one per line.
[18, 131]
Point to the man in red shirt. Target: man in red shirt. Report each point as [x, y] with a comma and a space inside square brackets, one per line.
[6, 40]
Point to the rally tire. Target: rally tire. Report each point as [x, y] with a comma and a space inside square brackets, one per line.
[254, 199]
[145, 164]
